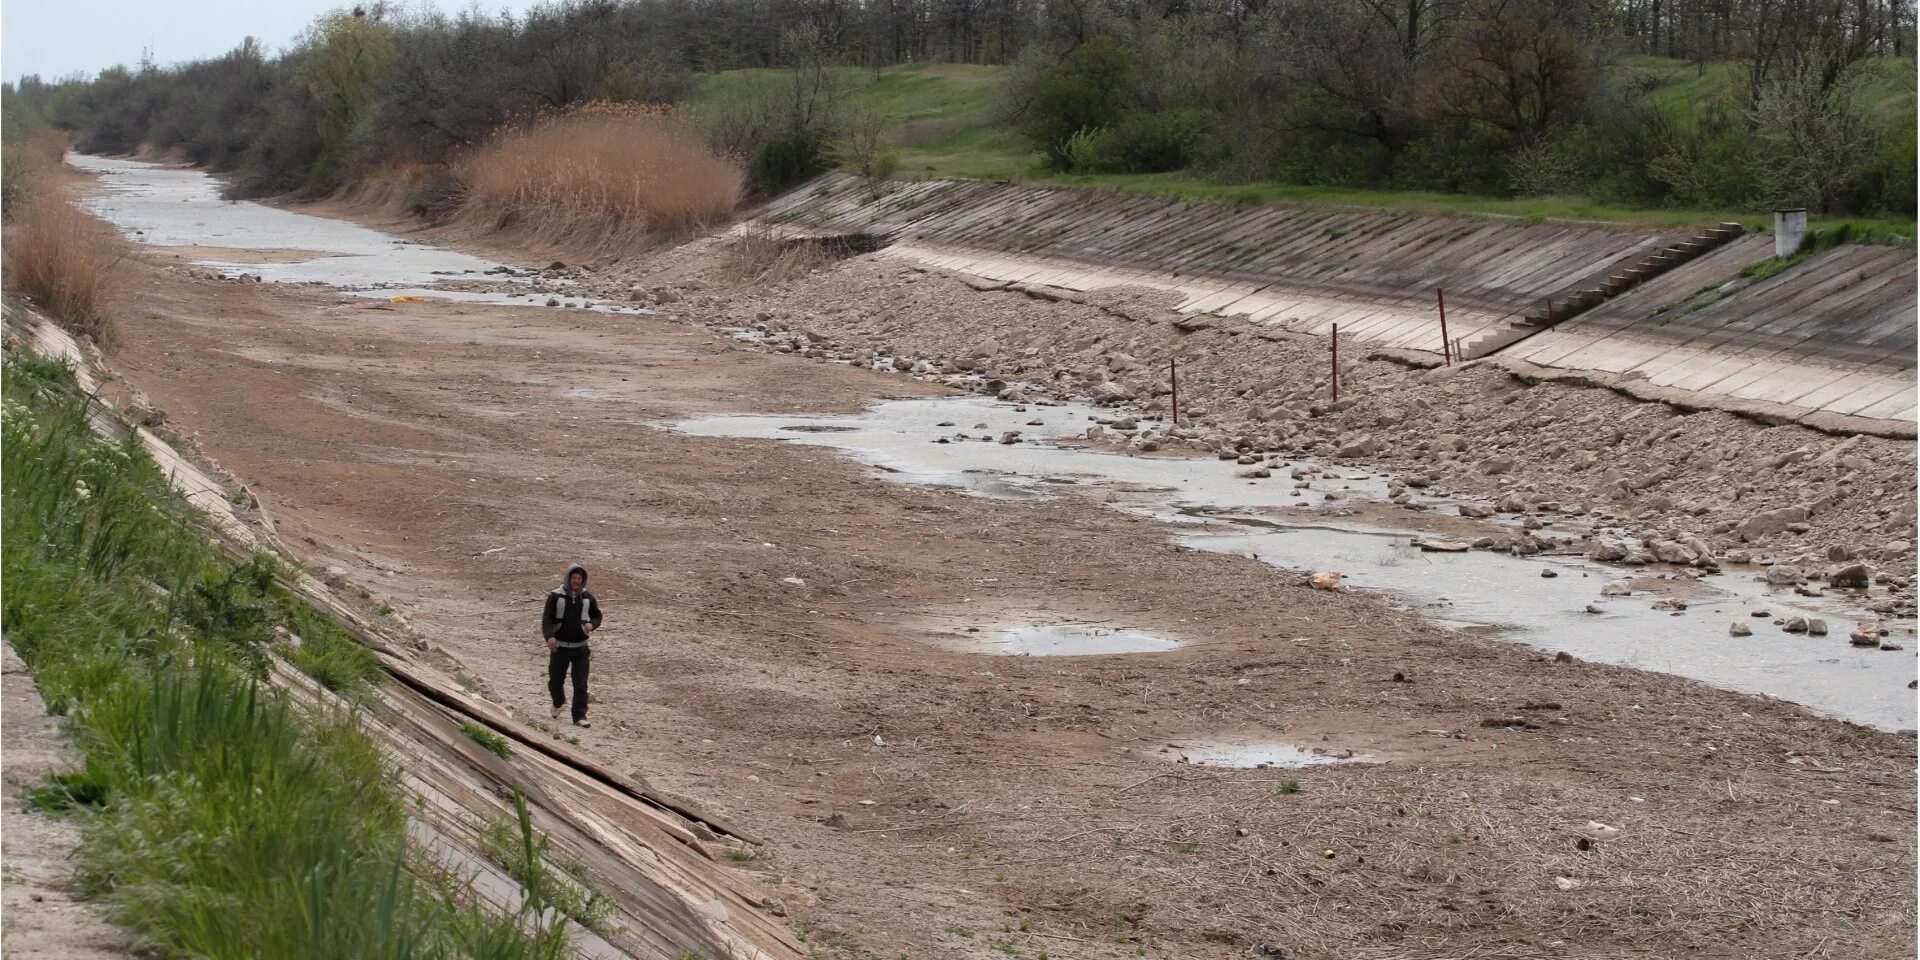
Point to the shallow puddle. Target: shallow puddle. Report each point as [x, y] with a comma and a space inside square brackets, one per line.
[1245, 754]
[904, 437]
[1480, 592]
[1063, 640]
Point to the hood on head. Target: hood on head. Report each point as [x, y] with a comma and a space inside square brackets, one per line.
[568, 577]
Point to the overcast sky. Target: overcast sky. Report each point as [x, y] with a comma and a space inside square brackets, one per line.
[54, 38]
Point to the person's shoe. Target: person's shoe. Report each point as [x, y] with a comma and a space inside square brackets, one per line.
[583, 723]
[559, 711]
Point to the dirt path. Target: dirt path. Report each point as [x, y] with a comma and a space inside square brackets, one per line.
[44, 916]
[452, 460]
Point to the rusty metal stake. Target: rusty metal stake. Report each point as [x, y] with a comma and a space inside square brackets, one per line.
[1446, 343]
[1173, 372]
[1336, 363]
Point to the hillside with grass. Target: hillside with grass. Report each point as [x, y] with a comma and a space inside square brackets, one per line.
[957, 121]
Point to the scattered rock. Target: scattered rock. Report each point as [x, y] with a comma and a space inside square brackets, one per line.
[1327, 580]
[1816, 627]
[1364, 446]
[1740, 629]
[1784, 575]
[1596, 830]
[1852, 575]
[1433, 545]
[1795, 625]
[1866, 634]
[1476, 510]
[1618, 588]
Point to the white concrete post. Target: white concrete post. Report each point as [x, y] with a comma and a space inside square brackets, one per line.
[1789, 231]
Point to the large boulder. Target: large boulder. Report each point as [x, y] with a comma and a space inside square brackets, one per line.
[1770, 522]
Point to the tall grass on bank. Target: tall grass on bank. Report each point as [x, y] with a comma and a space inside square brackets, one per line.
[54, 253]
[230, 821]
[26, 166]
[610, 175]
[61, 259]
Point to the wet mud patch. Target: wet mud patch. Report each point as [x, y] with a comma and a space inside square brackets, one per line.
[1256, 754]
[1069, 639]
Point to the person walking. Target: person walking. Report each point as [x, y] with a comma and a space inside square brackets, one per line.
[570, 617]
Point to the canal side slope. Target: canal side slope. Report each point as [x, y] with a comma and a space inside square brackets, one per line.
[1668, 309]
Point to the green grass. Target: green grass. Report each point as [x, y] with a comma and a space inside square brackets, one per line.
[219, 818]
[949, 126]
[526, 855]
[488, 740]
[1687, 93]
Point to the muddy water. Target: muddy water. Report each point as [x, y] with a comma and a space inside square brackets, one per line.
[1488, 593]
[173, 207]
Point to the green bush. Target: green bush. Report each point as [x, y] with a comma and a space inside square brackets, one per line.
[788, 159]
[1089, 90]
[1144, 142]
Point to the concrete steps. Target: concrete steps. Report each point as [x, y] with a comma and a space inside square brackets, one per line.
[1617, 281]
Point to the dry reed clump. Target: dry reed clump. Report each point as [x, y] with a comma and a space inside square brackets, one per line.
[601, 175]
[61, 259]
[759, 254]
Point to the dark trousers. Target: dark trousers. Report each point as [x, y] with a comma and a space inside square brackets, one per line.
[578, 658]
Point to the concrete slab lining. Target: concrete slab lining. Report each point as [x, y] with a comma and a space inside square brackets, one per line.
[1830, 340]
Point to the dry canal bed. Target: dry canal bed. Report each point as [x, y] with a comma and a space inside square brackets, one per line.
[771, 649]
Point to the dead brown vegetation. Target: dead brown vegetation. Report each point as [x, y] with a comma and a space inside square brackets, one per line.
[56, 256]
[607, 177]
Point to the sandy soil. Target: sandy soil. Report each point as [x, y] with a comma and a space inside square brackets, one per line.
[44, 915]
[451, 460]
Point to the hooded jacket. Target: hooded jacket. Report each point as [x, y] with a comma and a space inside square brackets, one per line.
[566, 609]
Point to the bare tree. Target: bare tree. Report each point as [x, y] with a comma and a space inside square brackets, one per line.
[1516, 64]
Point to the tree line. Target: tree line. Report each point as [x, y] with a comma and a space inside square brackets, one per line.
[1693, 103]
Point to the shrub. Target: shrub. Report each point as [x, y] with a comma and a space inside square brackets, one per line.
[788, 159]
[1143, 142]
[608, 174]
[1091, 89]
